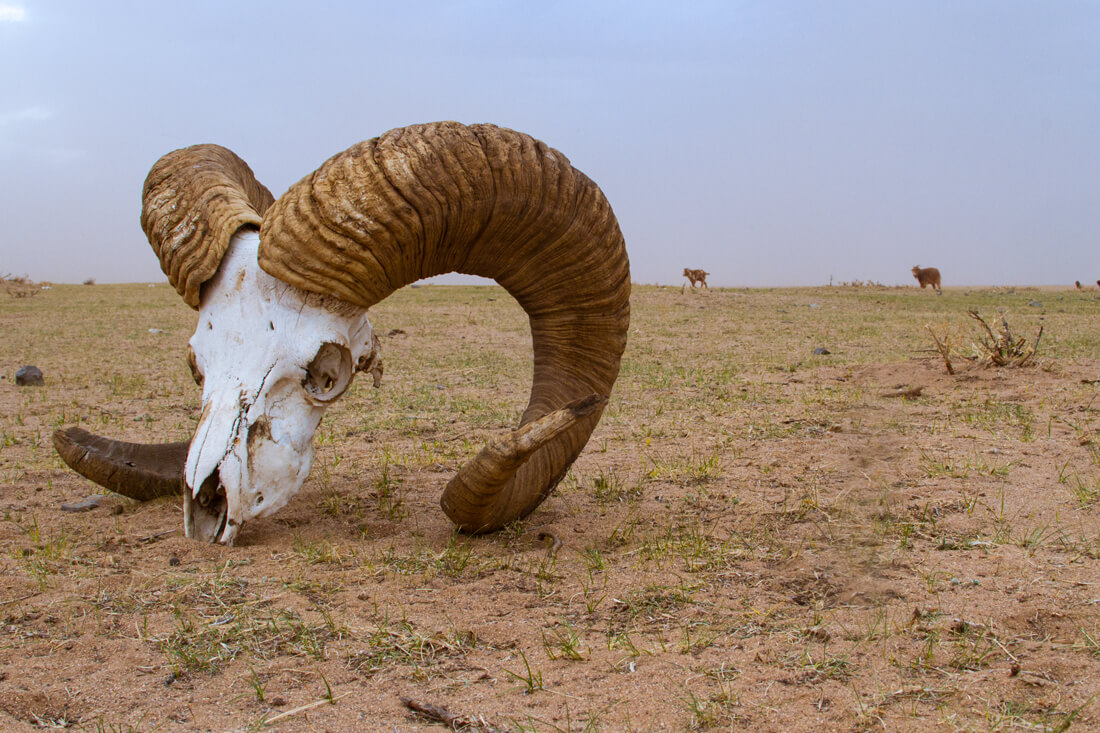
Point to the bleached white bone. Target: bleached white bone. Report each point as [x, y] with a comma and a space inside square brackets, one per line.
[255, 340]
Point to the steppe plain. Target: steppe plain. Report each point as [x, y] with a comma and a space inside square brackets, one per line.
[757, 537]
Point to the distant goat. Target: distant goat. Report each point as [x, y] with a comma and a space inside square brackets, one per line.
[696, 276]
[1078, 283]
[927, 276]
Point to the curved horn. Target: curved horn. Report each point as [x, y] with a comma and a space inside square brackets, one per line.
[482, 200]
[193, 202]
[134, 470]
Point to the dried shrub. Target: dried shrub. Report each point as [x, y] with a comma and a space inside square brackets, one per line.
[1003, 348]
[994, 346]
[19, 287]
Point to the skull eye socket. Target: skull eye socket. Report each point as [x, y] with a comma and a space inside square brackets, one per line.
[193, 365]
[329, 374]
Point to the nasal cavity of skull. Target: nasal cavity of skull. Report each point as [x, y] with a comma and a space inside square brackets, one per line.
[329, 373]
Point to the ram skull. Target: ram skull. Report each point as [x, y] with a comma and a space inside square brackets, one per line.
[283, 287]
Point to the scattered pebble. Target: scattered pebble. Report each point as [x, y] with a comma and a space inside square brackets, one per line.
[173, 561]
[156, 330]
[821, 351]
[29, 376]
[84, 505]
[1035, 304]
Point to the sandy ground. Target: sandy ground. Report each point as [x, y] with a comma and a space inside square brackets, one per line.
[755, 538]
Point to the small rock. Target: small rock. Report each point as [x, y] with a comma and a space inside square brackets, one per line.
[156, 330]
[84, 505]
[173, 561]
[815, 305]
[821, 351]
[29, 376]
[1035, 304]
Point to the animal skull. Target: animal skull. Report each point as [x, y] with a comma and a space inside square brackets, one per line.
[271, 358]
[282, 313]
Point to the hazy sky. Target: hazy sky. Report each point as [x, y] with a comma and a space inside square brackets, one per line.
[768, 142]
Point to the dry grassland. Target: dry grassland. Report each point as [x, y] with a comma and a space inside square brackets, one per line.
[756, 537]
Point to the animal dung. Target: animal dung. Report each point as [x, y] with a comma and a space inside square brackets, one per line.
[29, 376]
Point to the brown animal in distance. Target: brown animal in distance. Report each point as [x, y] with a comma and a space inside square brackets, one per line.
[927, 276]
[1078, 283]
[696, 276]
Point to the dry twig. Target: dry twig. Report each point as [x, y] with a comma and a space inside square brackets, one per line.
[944, 347]
[553, 542]
[449, 719]
[303, 708]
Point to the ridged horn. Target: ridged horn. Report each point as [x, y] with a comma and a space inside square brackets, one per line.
[194, 200]
[134, 470]
[483, 200]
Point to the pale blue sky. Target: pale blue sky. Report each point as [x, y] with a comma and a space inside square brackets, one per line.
[770, 142]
